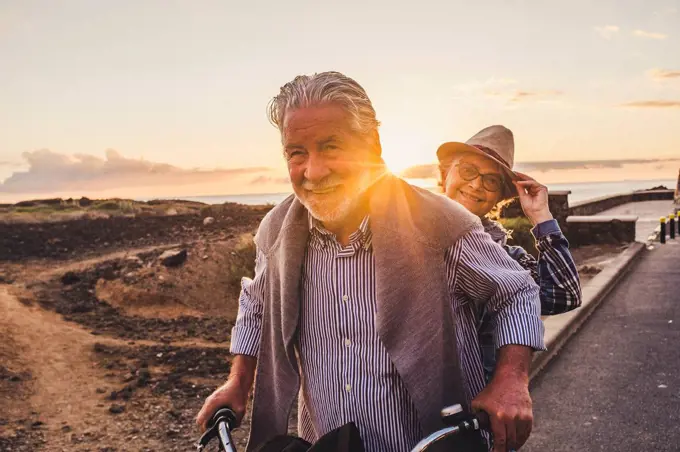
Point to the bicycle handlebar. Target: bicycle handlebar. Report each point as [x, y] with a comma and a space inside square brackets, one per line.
[457, 421]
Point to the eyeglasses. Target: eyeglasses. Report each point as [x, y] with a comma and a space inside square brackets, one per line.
[490, 182]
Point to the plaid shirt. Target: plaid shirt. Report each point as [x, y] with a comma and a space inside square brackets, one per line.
[555, 273]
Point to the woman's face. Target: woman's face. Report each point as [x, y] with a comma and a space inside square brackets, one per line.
[474, 194]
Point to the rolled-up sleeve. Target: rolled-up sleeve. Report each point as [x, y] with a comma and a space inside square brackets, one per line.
[246, 334]
[558, 276]
[501, 289]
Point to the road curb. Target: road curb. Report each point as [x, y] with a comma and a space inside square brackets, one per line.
[559, 328]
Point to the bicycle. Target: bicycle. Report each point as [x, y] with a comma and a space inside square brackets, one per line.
[458, 424]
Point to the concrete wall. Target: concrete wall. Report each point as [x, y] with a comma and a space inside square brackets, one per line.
[578, 220]
[597, 230]
[597, 205]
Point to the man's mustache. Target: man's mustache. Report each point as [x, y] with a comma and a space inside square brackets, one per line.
[334, 180]
[325, 184]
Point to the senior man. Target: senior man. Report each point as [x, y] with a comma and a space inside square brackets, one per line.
[368, 293]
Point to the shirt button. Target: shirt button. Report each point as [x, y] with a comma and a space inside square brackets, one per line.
[345, 298]
[348, 343]
[348, 387]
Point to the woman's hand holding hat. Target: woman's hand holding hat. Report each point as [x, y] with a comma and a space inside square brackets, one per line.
[533, 197]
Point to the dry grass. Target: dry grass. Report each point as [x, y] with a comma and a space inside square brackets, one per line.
[74, 209]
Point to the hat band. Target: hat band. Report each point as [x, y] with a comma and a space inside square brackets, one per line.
[492, 153]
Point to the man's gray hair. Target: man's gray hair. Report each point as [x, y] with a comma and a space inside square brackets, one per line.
[322, 88]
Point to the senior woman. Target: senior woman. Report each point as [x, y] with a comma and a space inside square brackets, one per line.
[478, 174]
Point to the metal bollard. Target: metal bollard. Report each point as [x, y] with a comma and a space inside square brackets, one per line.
[671, 225]
[662, 235]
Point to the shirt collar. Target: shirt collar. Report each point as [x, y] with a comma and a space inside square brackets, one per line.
[360, 237]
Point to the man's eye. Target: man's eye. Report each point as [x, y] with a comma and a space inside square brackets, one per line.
[295, 156]
[330, 147]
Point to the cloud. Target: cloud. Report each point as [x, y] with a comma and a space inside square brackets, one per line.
[505, 89]
[585, 164]
[49, 171]
[662, 74]
[488, 84]
[653, 104]
[607, 31]
[649, 35]
[475, 88]
[516, 96]
[431, 170]
[10, 164]
[521, 96]
[270, 180]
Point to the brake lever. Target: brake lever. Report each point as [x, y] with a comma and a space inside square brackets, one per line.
[206, 438]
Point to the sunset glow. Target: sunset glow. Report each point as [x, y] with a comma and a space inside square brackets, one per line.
[186, 86]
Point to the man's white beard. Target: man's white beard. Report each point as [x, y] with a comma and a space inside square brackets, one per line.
[335, 207]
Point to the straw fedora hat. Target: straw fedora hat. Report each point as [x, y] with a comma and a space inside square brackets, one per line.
[494, 142]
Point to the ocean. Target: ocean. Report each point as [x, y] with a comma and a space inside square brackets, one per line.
[580, 191]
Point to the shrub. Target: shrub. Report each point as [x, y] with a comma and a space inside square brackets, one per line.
[242, 261]
[520, 229]
[107, 205]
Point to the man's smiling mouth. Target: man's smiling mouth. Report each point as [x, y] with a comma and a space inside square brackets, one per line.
[324, 191]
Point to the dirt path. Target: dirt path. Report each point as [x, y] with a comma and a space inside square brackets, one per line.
[103, 346]
[64, 374]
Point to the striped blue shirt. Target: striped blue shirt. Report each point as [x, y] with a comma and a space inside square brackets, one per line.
[555, 272]
[347, 374]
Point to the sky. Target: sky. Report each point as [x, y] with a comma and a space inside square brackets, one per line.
[139, 98]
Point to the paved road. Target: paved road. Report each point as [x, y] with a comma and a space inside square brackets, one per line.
[616, 385]
[648, 213]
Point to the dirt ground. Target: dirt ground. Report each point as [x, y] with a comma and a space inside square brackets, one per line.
[104, 347]
[590, 260]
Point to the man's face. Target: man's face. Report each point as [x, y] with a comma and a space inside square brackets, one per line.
[330, 164]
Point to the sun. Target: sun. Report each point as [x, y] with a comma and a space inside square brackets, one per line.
[404, 147]
[400, 153]
[396, 164]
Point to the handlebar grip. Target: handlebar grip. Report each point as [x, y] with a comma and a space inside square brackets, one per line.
[225, 414]
[483, 419]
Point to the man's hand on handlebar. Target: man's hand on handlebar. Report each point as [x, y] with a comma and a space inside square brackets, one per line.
[508, 402]
[510, 414]
[233, 394]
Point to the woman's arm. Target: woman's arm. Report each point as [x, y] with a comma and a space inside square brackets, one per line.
[560, 286]
[557, 275]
